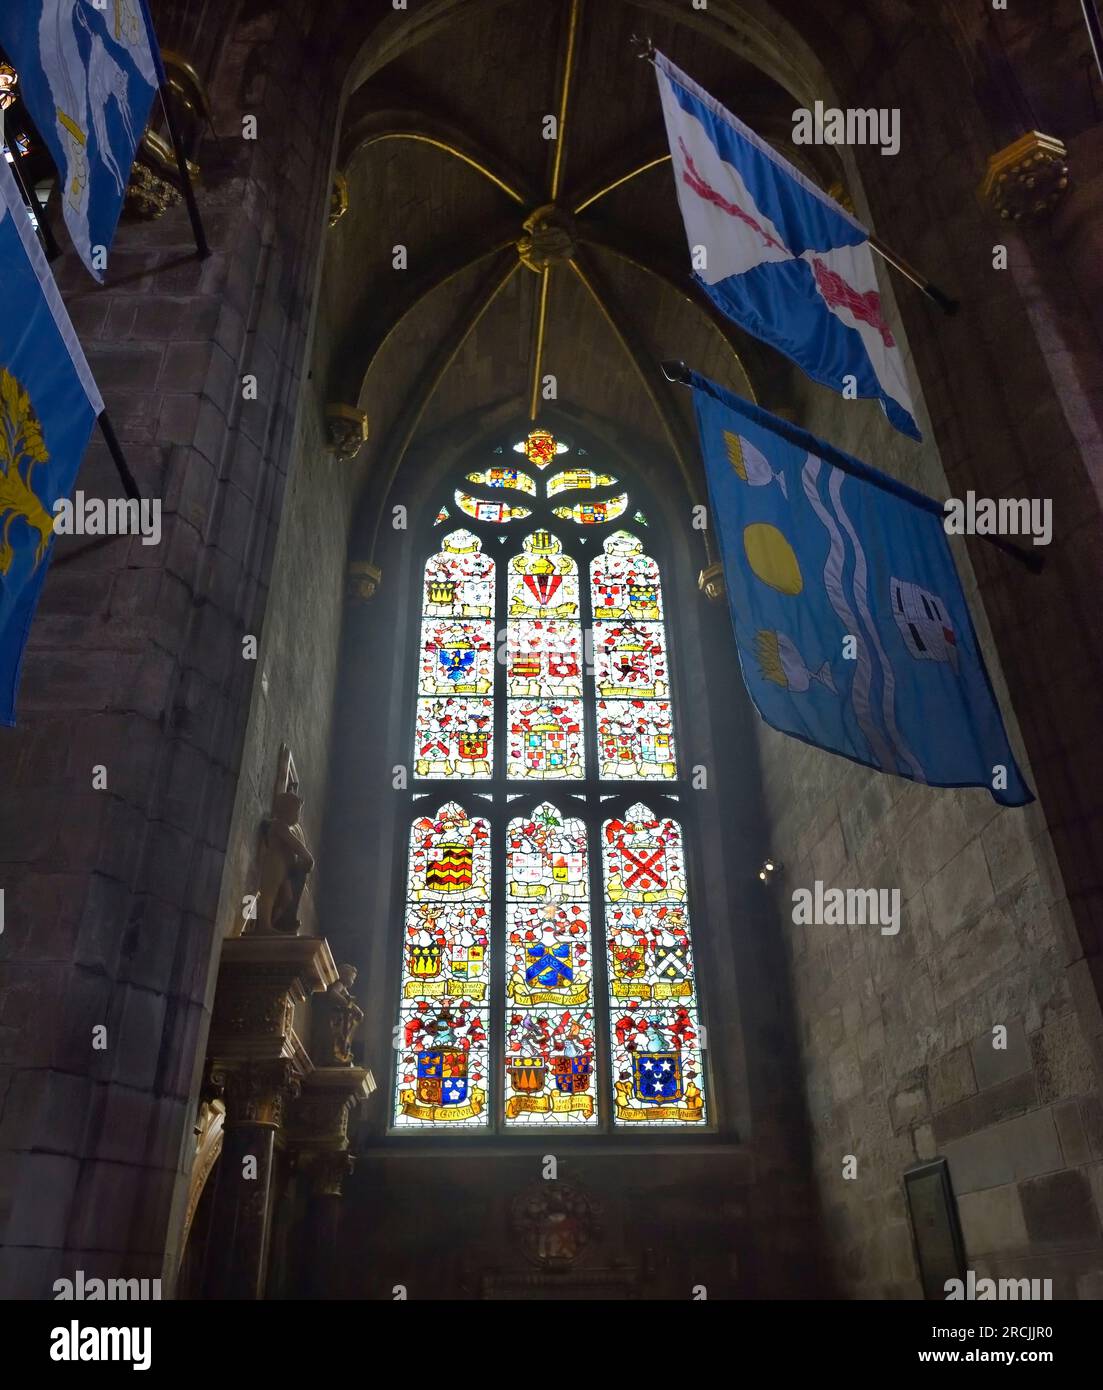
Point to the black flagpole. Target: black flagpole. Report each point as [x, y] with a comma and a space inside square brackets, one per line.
[678, 372]
[37, 211]
[1095, 31]
[201, 247]
[42, 226]
[111, 439]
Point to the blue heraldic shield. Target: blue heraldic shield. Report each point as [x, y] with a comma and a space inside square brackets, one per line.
[442, 1076]
[657, 1076]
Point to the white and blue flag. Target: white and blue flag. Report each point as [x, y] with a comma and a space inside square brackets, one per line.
[88, 75]
[783, 260]
[852, 628]
[48, 405]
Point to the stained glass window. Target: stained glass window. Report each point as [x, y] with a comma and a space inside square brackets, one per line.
[504, 477]
[540, 447]
[635, 728]
[454, 728]
[594, 513]
[441, 1042]
[479, 509]
[655, 1033]
[572, 478]
[544, 662]
[549, 1063]
[551, 697]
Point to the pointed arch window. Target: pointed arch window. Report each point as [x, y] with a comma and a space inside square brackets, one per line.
[548, 977]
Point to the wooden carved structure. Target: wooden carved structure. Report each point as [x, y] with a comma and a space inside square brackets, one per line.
[273, 1131]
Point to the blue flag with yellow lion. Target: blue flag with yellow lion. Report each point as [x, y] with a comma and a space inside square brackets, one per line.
[48, 405]
[852, 628]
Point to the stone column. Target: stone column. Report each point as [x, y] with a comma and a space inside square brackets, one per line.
[237, 1256]
[258, 1062]
[318, 1138]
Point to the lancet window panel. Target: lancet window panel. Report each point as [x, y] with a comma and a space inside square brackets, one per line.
[550, 1067]
[635, 720]
[548, 977]
[454, 726]
[655, 1034]
[442, 1036]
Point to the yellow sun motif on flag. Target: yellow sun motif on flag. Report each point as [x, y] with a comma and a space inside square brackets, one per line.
[772, 559]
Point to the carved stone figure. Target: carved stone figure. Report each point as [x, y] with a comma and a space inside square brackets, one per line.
[285, 864]
[337, 1016]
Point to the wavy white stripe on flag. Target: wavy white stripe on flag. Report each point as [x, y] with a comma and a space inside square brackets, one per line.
[852, 628]
[782, 259]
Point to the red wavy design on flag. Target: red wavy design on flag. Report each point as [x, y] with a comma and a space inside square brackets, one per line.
[866, 308]
[704, 190]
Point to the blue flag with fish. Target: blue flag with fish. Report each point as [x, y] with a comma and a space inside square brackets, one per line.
[88, 73]
[852, 628]
[48, 405]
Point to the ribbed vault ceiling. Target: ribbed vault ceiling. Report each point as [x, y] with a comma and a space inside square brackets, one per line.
[442, 145]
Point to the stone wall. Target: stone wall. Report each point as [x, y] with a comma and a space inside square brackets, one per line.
[897, 1031]
[135, 663]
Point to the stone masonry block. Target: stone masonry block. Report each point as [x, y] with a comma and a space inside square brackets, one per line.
[1018, 1149]
[1062, 1062]
[950, 1078]
[959, 891]
[986, 1108]
[992, 1221]
[993, 1065]
[1059, 1208]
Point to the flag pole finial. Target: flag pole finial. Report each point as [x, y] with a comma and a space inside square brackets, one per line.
[676, 371]
[643, 46]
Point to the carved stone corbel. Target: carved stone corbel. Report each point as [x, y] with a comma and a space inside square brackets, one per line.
[1028, 178]
[364, 579]
[346, 430]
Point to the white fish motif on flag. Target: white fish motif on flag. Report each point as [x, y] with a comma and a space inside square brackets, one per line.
[781, 662]
[751, 464]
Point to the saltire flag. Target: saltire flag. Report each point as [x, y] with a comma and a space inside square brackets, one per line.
[783, 260]
[852, 628]
[88, 75]
[48, 405]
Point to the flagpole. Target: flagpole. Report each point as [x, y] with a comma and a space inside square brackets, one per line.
[1095, 31]
[38, 212]
[679, 373]
[645, 49]
[42, 226]
[928, 287]
[202, 249]
[111, 439]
